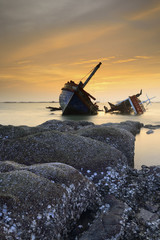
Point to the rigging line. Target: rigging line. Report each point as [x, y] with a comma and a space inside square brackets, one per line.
[86, 74]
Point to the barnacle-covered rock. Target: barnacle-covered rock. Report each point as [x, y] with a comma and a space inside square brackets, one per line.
[118, 138]
[53, 146]
[65, 126]
[42, 197]
[110, 221]
[79, 144]
[43, 201]
[14, 132]
[7, 166]
[131, 126]
[140, 190]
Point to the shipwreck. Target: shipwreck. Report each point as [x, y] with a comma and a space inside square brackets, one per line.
[75, 100]
[128, 106]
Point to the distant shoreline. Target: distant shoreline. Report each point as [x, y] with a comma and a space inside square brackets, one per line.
[31, 102]
[43, 102]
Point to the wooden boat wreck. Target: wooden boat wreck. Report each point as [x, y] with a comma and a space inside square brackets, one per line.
[75, 100]
[130, 105]
[54, 108]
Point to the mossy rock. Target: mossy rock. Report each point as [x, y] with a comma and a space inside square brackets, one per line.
[33, 204]
[64, 126]
[118, 138]
[7, 166]
[133, 127]
[14, 132]
[52, 146]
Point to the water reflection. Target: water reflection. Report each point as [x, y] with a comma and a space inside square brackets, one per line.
[147, 149]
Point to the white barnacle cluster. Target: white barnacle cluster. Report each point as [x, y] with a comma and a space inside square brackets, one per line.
[57, 215]
[7, 221]
[105, 208]
[54, 219]
[5, 137]
[151, 230]
[124, 221]
[154, 225]
[78, 198]
[33, 225]
[33, 236]
[91, 175]
[39, 216]
[109, 179]
[69, 189]
[50, 213]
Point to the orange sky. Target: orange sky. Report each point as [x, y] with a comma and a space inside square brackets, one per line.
[43, 44]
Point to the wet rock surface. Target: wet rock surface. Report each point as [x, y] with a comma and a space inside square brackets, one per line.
[73, 180]
[65, 126]
[118, 138]
[54, 146]
[66, 147]
[152, 126]
[130, 126]
[149, 131]
[131, 205]
[43, 201]
[109, 222]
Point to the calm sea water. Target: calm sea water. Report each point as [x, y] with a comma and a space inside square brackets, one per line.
[147, 150]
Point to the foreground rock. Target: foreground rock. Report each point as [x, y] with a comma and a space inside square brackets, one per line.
[154, 127]
[130, 126]
[42, 201]
[53, 146]
[136, 215]
[79, 144]
[43, 197]
[110, 221]
[49, 200]
[15, 132]
[118, 138]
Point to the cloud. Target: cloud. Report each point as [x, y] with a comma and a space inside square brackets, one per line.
[50, 41]
[147, 13]
[82, 61]
[24, 22]
[125, 60]
[143, 57]
[24, 62]
[135, 58]
[26, 17]
[21, 17]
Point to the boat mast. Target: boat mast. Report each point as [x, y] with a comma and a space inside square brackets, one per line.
[91, 75]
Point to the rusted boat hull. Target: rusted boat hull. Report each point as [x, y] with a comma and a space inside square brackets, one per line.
[130, 105]
[76, 101]
[137, 105]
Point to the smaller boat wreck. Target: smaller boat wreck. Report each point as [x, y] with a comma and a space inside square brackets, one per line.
[128, 106]
[75, 100]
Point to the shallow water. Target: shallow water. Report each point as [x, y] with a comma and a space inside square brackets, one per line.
[32, 114]
[147, 150]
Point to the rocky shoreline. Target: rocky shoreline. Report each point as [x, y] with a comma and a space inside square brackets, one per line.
[76, 180]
